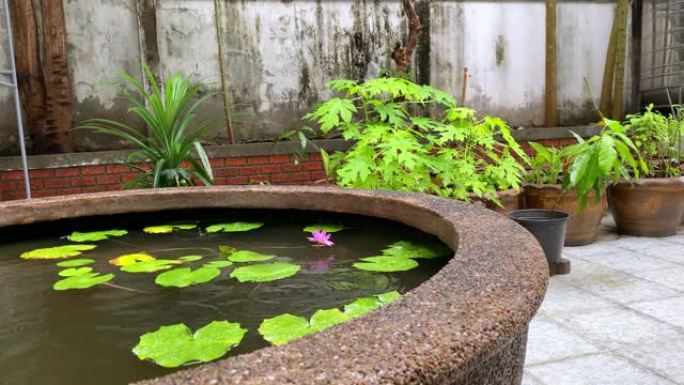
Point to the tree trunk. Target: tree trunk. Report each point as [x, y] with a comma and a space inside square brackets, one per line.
[402, 54]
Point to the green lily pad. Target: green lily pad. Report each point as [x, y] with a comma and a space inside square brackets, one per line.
[287, 327]
[225, 250]
[190, 258]
[174, 345]
[328, 228]
[385, 264]
[185, 276]
[234, 227]
[406, 249]
[56, 252]
[82, 281]
[218, 264]
[76, 262]
[249, 256]
[150, 266]
[74, 271]
[265, 272]
[95, 235]
[166, 229]
[130, 259]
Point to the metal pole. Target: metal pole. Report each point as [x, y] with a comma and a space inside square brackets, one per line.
[17, 102]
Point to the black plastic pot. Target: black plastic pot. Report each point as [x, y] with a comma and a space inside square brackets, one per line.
[548, 227]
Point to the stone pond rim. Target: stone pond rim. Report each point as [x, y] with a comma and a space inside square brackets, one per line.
[467, 324]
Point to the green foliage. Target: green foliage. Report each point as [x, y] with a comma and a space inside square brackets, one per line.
[234, 227]
[386, 264]
[166, 229]
[129, 259]
[168, 110]
[218, 264]
[82, 281]
[150, 266]
[57, 252]
[286, 327]
[76, 262]
[265, 272]
[185, 276]
[547, 166]
[190, 258]
[400, 145]
[406, 249]
[74, 271]
[249, 256]
[328, 228]
[95, 235]
[174, 345]
[658, 140]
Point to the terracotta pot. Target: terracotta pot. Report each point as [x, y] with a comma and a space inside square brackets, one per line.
[583, 225]
[511, 199]
[648, 207]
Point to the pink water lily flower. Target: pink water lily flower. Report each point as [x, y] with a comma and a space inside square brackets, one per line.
[320, 238]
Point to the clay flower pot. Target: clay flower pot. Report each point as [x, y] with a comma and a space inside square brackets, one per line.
[583, 226]
[648, 207]
[511, 199]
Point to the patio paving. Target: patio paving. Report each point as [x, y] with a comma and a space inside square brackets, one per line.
[617, 318]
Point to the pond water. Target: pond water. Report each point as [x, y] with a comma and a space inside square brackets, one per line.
[86, 336]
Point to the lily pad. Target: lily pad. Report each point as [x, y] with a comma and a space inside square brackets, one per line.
[287, 327]
[150, 266]
[76, 262]
[265, 272]
[74, 271]
[328, 228]
[234, 227]
[225, 250]
[95, 235]
[56, 252]
[175, 345]
[406, 249]
[82, 281]
[185, 276]
[249, 256]
[166, 229]
[190, 258]
[130, 259]
[218, 264]
[386, 264]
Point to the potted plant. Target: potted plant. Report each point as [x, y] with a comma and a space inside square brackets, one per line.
[652, 204]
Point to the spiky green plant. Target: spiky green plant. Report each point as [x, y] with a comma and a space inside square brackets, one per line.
[168, 110]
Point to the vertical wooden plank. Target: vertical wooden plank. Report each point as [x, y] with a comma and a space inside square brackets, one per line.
[609, 70]
[621, 46]
[550, 92]
[230, 132]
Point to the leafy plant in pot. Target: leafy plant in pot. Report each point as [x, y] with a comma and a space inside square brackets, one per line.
[653, 203]
[593, 165]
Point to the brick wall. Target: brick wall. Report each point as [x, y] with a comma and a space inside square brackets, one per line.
[273, 169]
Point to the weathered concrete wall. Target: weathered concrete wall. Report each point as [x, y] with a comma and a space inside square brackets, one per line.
[279, 54]
[8, 120]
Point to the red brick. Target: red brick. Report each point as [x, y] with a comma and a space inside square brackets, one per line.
[235, 161]
[8, 186]
[93, 189]
[216, 162]
[567, 142]
[292, 167]
[11, 196]
[249, 170]
[66, 191]
[83, 181]
[270, 169]
[128, 177]
[36, 184]
[279, 159]
[299, 176]
[226, 172]
[313, 166]
[237, 180]
[118, 168]
[68, 171]
[91, 170]
[56, 183]
[108, 179]
[12, 175]
[318, 175]
[259, 179]
[42, 173]
[315, 156]
[280, 178]
[257, 160]
[218, 181]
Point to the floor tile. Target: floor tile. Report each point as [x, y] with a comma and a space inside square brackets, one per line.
[548, 341]
[665, 357]
[629, 261]
[528, 379]
[673, 278]
[640, 243]
[670, 311]
[670, 253]
[564, 298]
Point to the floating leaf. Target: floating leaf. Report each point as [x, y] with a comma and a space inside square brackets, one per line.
[150, 266]
[74, 271]
[218, 264]
[385, 264]
[406, 249]
[249, 256]
[287, 327]
[233, 227]
[175, 345]
[265, 272]
[328, 228]
[190, 258]
[165, 229]
[76, 262]
[56, 252]
[82, 281]
[130, 259]
[95, 235]
[185, 276]
[225, 250]
[350, 279]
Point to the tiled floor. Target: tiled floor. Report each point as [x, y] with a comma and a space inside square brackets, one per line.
[617, 318]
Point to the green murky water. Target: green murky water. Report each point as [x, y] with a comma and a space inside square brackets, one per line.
[85, 336]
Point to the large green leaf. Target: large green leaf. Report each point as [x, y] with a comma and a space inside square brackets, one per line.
[233, 227]
[57, 252]
[165, 229]
[95, 235]
[175, 345]
[218, 264]
[129, 259]
[76, 262]
[406, 249]
[185, 276]
[249, 256]
[386, 264]
[265, 272]
[328, 228]
[82, 281]
[190, 258]
[74, 271]
[150, 266]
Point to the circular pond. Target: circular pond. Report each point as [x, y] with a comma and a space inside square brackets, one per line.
[151, 282]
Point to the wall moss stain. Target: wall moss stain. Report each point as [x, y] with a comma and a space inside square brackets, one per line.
[500, 50]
